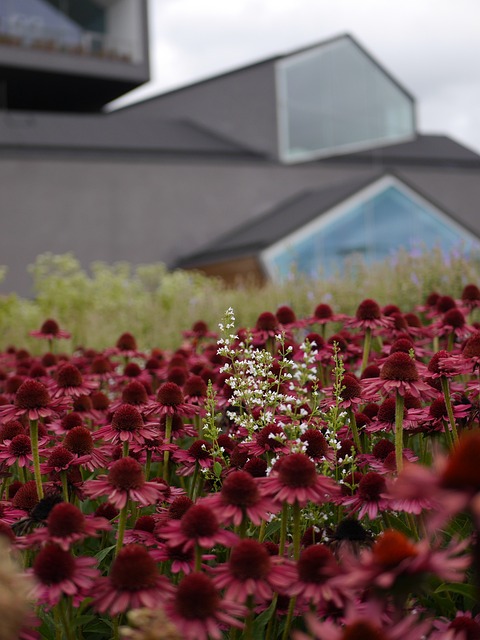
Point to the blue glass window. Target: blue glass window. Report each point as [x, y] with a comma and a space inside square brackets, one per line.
[374, 228]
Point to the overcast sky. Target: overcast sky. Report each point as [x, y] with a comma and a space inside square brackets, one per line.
[432, 47]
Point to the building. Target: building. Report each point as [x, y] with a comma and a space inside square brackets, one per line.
[292, 163]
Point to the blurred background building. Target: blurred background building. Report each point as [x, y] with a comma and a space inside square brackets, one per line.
[293, 163]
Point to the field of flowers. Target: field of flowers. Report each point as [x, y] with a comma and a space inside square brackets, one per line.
[311, 475]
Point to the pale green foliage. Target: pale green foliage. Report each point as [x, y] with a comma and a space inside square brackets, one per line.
[99, 304]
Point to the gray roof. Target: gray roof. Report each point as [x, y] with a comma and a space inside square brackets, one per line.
[305, 206]
[286, 217]
[431, 150]
[268, 61]
[112, 132]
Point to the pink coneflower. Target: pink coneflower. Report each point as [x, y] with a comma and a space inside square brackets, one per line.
[50, 330]
[369, 316]
[79, 441]
[465, 362]
[70, 382]
[66, 423]
[125, 481]
[470, 297]
[266, 328]
[199, 331]
[10, 429]
[317, 447]
[251, 571]
[317, 577]
[133, 582]
[398, 565]
[126, 426]
[323, 314]
[240, 498]
[169, 401]
[365, 622]
[126, 346]
[464, 626]
[33, 401]
[18, 450]
[452, 325]
[399, 374]
[198, 526]
[199, 612]
[59, 573]
[59, 459]
[270, 438]
[416, 489]
[134, 393]
[179, 429]
[143, 532]
[294, 479]
[369, 498]
[180, 560]
[66, 525]
[101, 368]
[287, 318]
[198, 453]
[195, 390]
[352, 395]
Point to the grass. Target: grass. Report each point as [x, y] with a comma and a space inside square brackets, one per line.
[97, 305]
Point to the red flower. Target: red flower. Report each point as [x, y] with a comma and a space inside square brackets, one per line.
[294, 479]
[59, 573]
[199, 612]
[125, 481]
[133, 582]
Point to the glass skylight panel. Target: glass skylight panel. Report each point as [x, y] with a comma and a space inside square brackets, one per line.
[335, 99]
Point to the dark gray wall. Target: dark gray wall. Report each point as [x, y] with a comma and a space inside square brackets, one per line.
[138, 210]
[240, 105]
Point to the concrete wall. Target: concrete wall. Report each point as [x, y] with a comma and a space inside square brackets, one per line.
[239, 105]
[137, 210]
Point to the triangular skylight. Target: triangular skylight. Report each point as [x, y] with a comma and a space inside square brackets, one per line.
[335, 99]
[374, 224]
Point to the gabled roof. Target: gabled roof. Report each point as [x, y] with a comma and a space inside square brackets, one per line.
[290, 215]
[265, 230]
[431, 150]
[269, 61]
[30, 130]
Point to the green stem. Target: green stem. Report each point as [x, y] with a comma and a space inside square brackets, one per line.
[271, 622]
[36, 457]
[148, 465]
[448, 404]
[296, 530]
[353, 426]
[288, 623]
[193, 483]
[283, 529]
[63, 476]
[122, 523]
[399, 407]
[67, 627]
[366, 347]
[248, 629]
[166, 454]
[125, 448]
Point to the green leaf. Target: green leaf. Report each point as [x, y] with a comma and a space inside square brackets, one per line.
[101, 555]
[217, 469]
[262, 620]
[466, 590]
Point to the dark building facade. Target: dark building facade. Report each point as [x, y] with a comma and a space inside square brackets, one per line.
[295, 162]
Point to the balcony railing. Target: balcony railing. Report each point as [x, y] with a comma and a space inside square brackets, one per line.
[31, 33]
